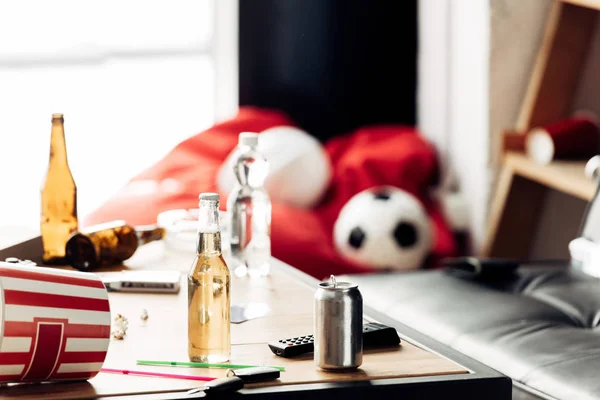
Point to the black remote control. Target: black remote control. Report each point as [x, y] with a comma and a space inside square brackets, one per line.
[374, 334]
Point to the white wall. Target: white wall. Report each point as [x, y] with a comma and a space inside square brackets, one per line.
[121, 90]
[453, 95]
[225, 52]
[433, 71]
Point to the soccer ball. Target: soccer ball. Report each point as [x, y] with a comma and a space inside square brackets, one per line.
[384, 228]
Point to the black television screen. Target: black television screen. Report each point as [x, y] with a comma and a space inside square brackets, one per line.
[332, 65]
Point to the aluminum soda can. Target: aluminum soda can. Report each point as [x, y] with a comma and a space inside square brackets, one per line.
[338, 315]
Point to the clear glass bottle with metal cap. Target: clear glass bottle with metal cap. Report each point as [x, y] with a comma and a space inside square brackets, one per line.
[209, 338]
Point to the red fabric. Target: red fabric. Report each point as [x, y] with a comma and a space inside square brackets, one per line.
[371, 156]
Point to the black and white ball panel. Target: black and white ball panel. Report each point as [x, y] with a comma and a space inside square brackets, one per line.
[384, 227]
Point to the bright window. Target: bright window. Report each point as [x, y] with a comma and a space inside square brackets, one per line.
[133, 78]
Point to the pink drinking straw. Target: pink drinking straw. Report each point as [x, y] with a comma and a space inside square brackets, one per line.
[156, 374]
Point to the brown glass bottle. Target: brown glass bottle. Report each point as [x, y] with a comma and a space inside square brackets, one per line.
[108, 244]
[59, 198]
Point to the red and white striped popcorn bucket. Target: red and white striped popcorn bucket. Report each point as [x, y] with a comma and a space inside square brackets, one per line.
[54, 324]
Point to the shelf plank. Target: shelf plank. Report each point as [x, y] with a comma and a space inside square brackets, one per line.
[564, 176]
[593, 4]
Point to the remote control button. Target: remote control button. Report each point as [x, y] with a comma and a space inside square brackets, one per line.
[290, 344]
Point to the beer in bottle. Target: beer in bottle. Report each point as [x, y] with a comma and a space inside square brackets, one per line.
[108, 244]
[208, 290]
[59, 198]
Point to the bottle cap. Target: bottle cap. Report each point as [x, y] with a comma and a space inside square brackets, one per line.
[248, 139]
[209, 197]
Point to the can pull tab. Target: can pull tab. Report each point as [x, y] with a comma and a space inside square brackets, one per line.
[332, 281]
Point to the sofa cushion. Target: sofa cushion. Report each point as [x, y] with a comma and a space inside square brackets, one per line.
[540, 328]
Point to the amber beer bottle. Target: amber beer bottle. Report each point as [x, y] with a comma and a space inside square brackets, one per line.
[59, 198]
[209, 290]
[108, 244]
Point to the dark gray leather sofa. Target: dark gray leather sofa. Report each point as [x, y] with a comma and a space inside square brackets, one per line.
[542, 328]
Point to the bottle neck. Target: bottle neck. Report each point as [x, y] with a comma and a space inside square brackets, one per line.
[245, 147]
[209, 232]
[149, 233]
[58, 146]
[209, 243]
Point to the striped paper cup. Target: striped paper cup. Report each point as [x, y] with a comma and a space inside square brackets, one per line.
[54, 324]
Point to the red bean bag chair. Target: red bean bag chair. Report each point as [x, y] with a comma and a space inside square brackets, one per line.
[370, 156]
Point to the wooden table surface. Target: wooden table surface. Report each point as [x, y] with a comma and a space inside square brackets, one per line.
[164, 337]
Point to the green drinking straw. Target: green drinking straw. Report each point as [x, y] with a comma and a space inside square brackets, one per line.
[198, 365]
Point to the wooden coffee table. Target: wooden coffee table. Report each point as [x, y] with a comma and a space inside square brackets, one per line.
[418, 367]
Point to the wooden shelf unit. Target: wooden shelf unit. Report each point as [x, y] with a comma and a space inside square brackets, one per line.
[522, 185]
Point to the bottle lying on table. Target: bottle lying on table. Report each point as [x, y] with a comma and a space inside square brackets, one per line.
[108, 244]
